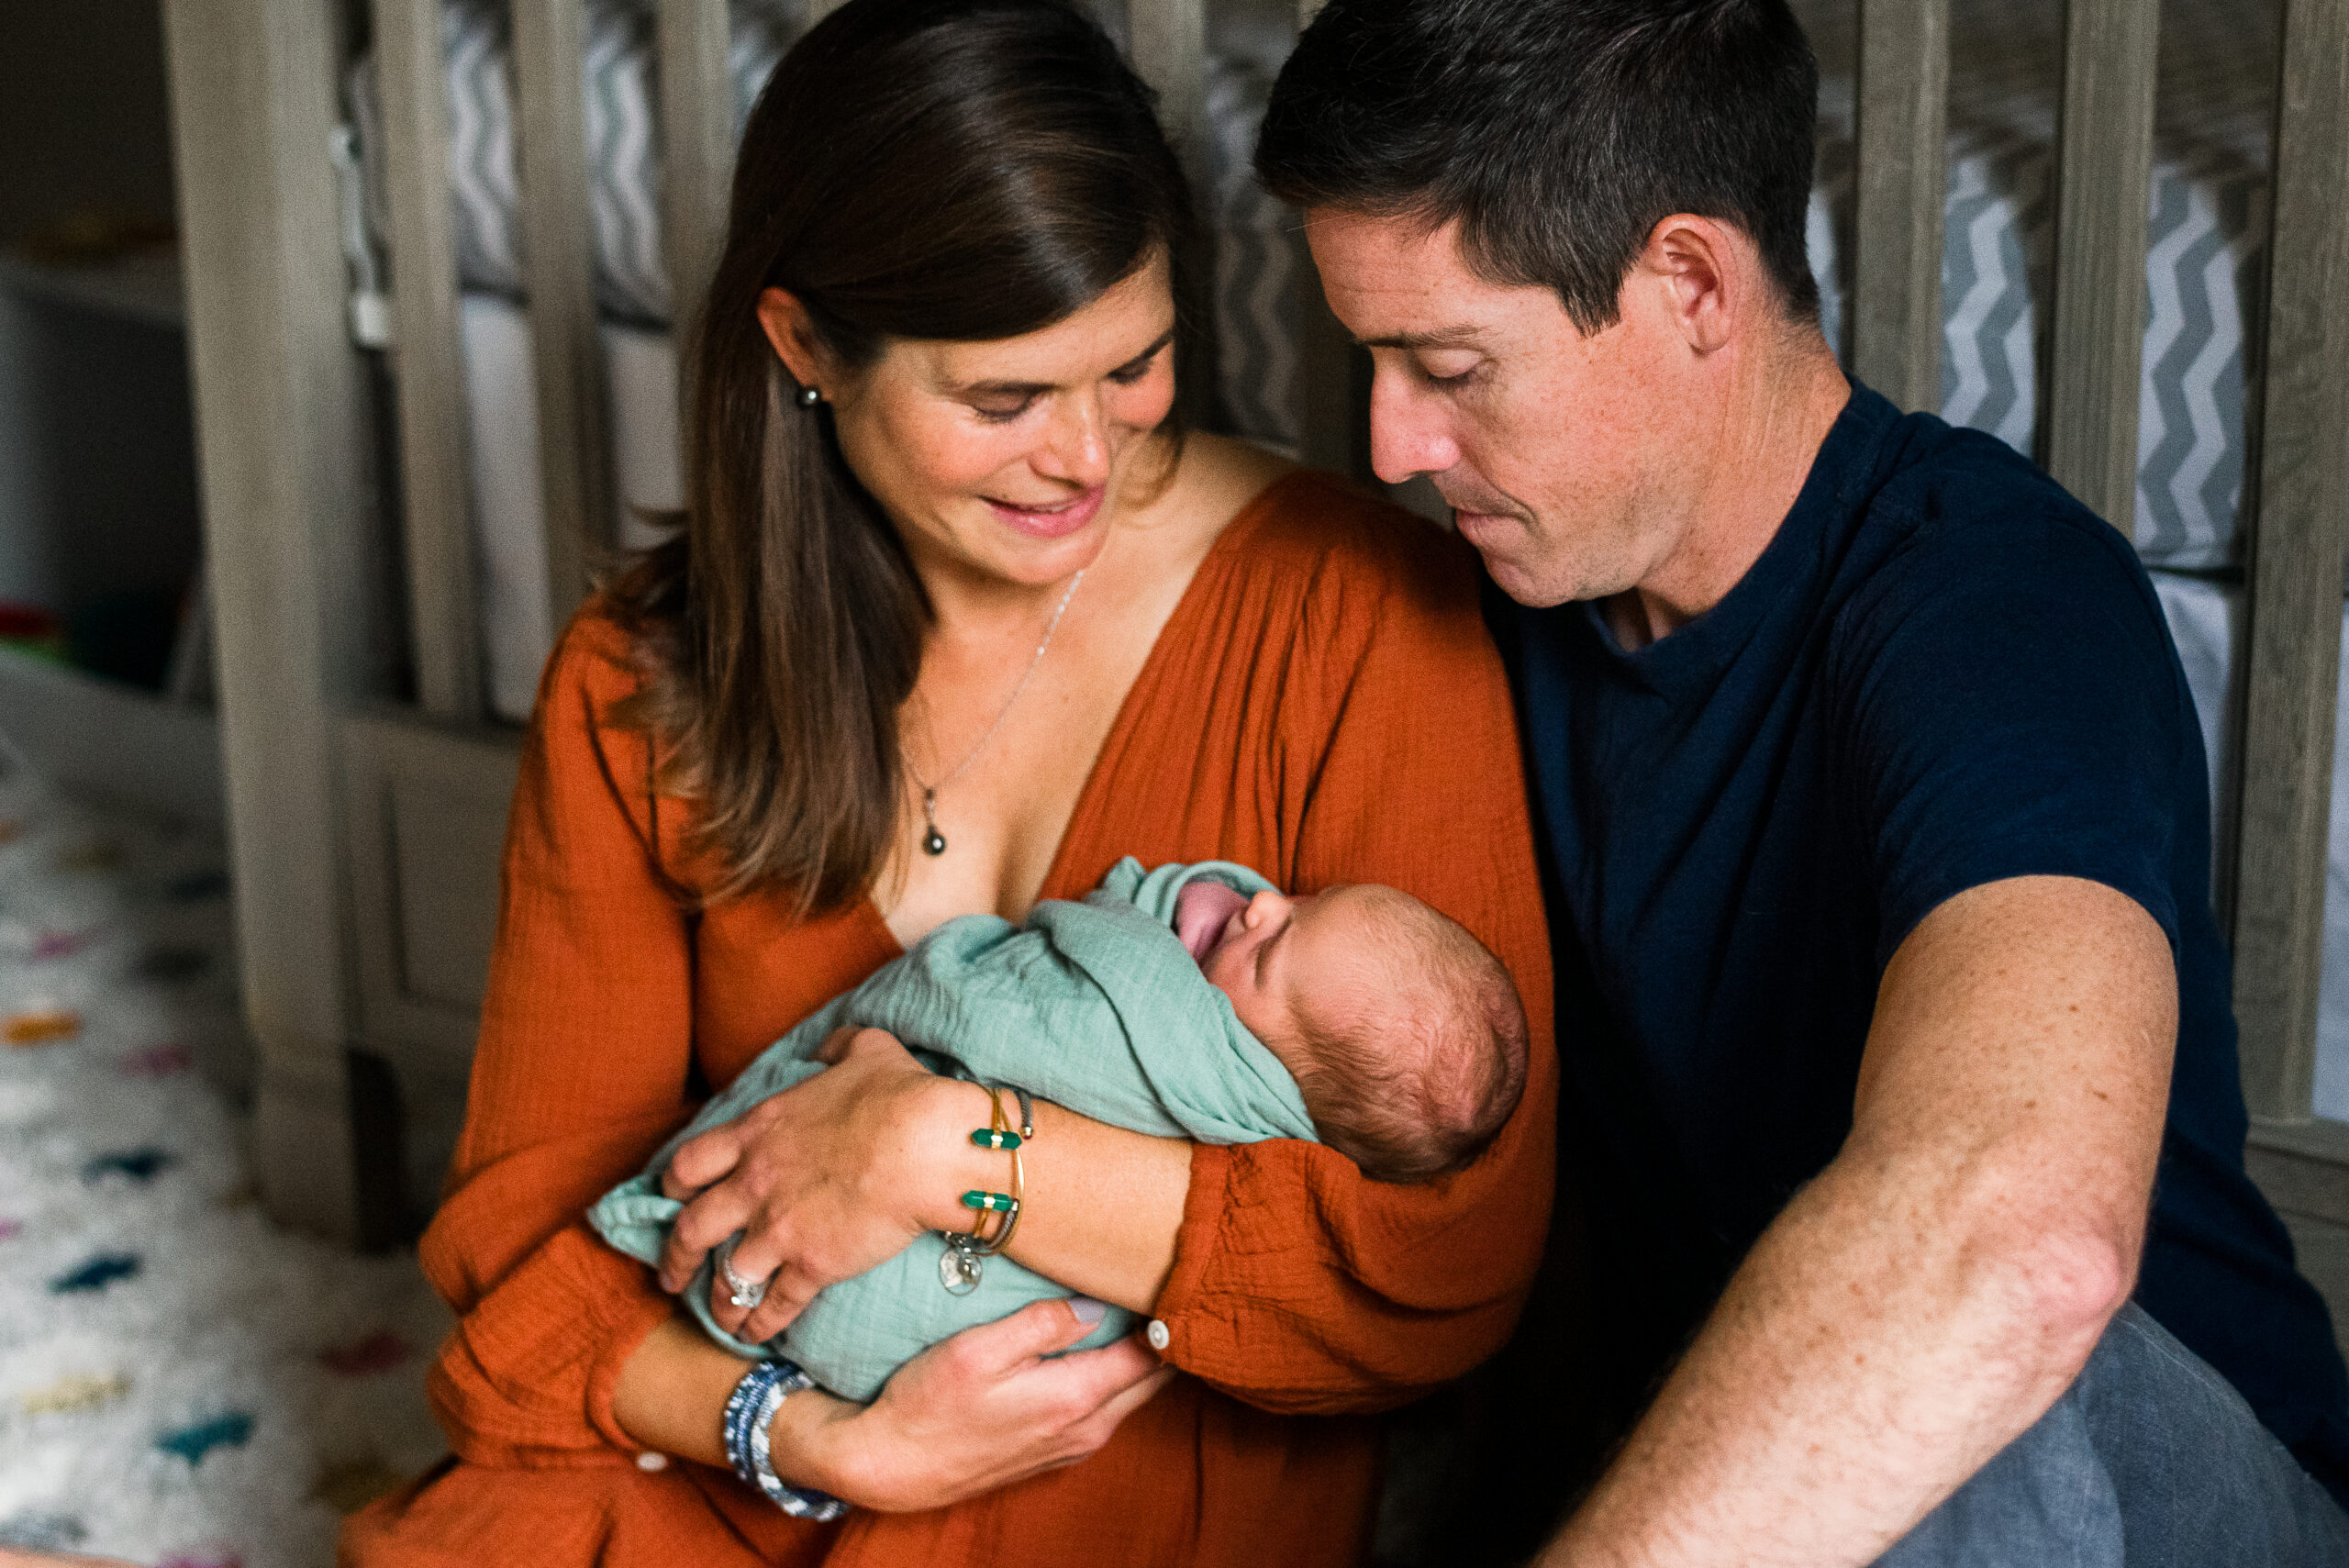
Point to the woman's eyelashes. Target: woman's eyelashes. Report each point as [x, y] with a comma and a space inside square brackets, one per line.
[1130, 374]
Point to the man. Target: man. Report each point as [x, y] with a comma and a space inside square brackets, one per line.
[1891, 999]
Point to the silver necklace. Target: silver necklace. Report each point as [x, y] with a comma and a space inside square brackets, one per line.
[934, 842]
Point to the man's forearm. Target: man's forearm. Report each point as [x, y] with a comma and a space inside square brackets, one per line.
[1936, 1289]
[1853, 1375]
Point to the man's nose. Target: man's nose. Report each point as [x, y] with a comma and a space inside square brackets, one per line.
[1076, 448]
[1411, 429]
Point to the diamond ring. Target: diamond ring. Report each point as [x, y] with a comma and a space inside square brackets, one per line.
[742, 1292]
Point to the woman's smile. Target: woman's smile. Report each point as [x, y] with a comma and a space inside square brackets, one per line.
[1056, 520]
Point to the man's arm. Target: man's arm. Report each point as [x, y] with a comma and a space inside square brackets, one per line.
[1940, 1285]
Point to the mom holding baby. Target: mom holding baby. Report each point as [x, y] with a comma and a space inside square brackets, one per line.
[961, 618]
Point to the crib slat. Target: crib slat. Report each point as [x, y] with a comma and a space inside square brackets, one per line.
[429, 381]
[1903, 126]
[559, 238]
[2095, 335]
[1170, 51]
[2300, 533]
[283, 437]
[697, 150]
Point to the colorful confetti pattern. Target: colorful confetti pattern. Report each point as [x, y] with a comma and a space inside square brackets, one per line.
[181, 1384]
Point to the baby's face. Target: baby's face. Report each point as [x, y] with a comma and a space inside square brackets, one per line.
[1277, 958]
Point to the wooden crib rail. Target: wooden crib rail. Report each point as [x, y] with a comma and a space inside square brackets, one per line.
[2298, 497]
[2096, 332]
[283, 444]
[428, 381]
[559, 269]
[697, 154]
[1902, 130]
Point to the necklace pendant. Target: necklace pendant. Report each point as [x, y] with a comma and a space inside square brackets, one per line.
[958, 1266]
[934, 842]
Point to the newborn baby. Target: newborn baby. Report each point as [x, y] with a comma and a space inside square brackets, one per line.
[1187, 1002]
[1405, 1036]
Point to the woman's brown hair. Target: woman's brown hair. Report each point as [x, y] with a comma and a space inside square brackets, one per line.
[956, 169]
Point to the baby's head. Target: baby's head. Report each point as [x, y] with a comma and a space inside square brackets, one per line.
[1404, 1034]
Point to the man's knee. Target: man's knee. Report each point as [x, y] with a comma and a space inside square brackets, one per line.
[2151, 1458]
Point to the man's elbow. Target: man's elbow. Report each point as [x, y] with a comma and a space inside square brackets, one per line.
[2066, 1280]
[2080, 1278]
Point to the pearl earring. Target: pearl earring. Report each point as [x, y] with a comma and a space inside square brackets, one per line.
[809, 397]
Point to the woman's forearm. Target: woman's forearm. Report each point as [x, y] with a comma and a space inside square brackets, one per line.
[671, 1395]
[965, 1416]
[1102, 1206]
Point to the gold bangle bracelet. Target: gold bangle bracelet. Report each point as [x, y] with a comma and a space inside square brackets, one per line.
[1000, 1125]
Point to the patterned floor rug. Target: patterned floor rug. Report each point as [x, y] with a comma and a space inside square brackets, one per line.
[181, 1384]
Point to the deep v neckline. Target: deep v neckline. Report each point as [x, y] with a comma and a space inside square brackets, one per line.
[1121, 727]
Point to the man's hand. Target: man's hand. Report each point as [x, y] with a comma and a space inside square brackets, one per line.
[1940, 1285]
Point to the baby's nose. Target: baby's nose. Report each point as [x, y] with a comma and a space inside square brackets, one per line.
[1267, 904]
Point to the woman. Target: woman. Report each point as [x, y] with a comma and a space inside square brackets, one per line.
[960, 618]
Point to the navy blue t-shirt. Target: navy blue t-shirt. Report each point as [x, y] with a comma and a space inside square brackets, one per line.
[1944, 670]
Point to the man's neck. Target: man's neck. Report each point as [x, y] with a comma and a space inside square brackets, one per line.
[1748, 471]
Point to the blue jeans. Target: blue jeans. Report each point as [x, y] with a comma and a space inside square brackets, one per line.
[2150, 1459]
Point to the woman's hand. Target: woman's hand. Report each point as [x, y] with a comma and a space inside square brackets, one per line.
[971, 1414]
[826, 1180]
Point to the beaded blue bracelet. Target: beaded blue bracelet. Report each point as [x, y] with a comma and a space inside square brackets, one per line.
[750, 1410]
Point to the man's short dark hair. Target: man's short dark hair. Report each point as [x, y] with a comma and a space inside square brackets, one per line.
[1557, 132]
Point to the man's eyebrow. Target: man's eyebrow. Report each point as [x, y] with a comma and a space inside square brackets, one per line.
[1037, 388]
[1443, 337]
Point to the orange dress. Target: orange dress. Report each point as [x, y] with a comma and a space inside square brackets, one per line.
[1323, 705]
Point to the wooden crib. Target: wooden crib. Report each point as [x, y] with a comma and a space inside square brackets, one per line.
[366, 830]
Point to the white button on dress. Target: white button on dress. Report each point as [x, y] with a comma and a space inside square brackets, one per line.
[650, 1460]
[1157, 1335]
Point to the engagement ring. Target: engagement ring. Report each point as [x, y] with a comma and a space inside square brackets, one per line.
[744, 1292]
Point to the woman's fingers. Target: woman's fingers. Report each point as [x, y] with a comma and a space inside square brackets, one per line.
[1037, 1330]
[705, 1222]
[788, 1293]
[701, 1161]
[765, 1257]
[1132, 1396]
[836, 1043]
[1099, 1379]
[985, 1409]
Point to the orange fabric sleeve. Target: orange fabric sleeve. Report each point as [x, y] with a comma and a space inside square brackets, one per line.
[1300, 1285]
[579, 1073]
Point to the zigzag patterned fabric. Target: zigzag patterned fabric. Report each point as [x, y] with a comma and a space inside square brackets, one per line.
[620, 78]
[2206, 239]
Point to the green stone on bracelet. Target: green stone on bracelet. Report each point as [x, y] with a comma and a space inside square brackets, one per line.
[997, 1203]
[989, 1138]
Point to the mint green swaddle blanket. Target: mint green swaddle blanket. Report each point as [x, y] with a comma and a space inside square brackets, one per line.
[1095, 1006]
